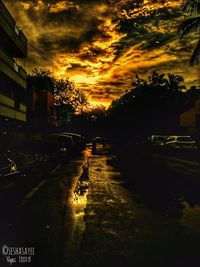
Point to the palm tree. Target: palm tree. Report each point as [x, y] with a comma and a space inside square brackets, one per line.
[192, 25]
[174, 82]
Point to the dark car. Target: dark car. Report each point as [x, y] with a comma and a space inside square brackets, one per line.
[7, 166]
[99, 140]
[78, 139]
[71, 143]
[48, 148]
[56, 146]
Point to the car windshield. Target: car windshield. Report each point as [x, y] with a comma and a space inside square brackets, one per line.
[65, 140]
[184, 139]
[59, 139]
[159, 138]
[171, 139]
[77, 139]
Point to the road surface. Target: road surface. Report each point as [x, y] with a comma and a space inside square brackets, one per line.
[90, 212]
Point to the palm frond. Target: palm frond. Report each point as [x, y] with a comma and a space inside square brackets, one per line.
[192, 6]
[195, 59]
[189, 25]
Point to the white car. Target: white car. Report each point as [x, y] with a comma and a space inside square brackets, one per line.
[157, 140]
[180, 142]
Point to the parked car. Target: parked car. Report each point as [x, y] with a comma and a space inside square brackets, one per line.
[50, 147]
[7, 166]
[157, 140]
[65, 142]
[98, 139]
[77, 138]
[180, 142]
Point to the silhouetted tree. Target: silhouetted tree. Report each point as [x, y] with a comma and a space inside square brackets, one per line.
[157, 80]
[192, 25]
[41, 80]
[66, 93]
[153, 104]
[174, 82]
[68, 98]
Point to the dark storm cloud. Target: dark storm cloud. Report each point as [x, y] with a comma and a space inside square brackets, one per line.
[91, 53]
[76, 66]
[112, 83]
[75, 1]
[64, 44]
[145, 24]
[157, 40]
[91, 1]
[81, 29]
[76, 24]
[112, 91]
[58, 18]
[101, 44]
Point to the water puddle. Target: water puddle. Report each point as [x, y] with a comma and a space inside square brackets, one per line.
[77, 203]
[191, 218]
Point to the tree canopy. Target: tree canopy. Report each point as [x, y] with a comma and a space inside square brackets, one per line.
[66, 93]
[154, 103]
[191, 25]
[68, 98]
[41, 80]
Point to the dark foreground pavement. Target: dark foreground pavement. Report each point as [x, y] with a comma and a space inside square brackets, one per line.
[105, 209]
[32, 208]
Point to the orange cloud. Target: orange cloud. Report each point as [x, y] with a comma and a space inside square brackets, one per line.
[62, 6]
[100, 46]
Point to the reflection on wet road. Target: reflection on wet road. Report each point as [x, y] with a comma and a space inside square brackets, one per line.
[111, 226]
[96, 214]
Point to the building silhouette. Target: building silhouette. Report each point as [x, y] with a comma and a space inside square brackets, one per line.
[13, 79]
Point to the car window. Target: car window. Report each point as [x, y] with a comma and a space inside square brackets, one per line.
[171, 138]
[65, 141]
[160, 138]
[184, 139]
[77, 139]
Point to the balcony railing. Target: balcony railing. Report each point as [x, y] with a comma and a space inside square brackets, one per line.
[12, 114]
[8, 108]
[8, 25]
[7, 101]
[10, 68]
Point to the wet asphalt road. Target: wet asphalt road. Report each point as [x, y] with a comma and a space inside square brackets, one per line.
[94, 216]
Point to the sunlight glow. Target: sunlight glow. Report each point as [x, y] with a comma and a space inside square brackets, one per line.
[95, 103]
[105, 44]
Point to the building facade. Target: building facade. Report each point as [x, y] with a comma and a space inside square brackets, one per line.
[41, 111]
[190, 119]
[13, 79]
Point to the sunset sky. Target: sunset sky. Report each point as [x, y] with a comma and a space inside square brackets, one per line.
[102, 44]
